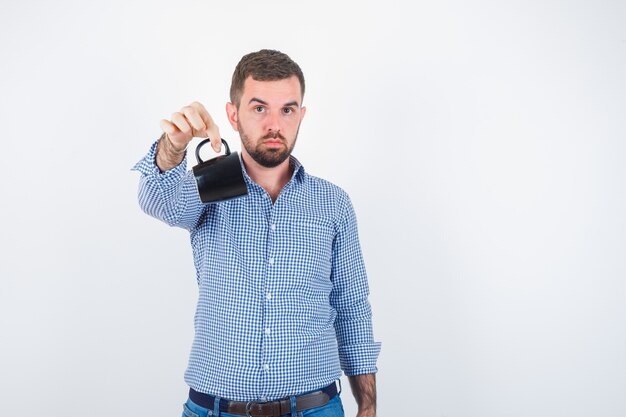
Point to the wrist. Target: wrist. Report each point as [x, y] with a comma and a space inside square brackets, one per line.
[171, 148]
[167, 155]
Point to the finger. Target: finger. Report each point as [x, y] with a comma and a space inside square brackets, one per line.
[199, 106]
[182, 124]
[195, 120]
[213, 130]
[203, 113]
[168, 127]
[216, 139]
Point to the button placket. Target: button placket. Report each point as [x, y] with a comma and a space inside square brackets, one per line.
[266, 358]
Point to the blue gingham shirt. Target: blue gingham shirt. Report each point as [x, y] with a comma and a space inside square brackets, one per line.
[282, 305]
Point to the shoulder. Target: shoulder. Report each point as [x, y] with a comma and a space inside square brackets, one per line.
[326, 200]
[325, 190]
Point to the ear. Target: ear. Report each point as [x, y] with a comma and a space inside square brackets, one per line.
[302, 112]
[231, 113]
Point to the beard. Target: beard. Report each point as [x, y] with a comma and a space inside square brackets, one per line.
[268, 158]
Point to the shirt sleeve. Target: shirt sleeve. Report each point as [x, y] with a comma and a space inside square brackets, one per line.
[358, 351]
[170, 196]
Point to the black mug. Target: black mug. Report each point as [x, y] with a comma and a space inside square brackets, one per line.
[220, 178]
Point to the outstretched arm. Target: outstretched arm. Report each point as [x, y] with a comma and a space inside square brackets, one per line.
[167, 190]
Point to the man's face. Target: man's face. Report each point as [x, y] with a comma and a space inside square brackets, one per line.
[268, 119]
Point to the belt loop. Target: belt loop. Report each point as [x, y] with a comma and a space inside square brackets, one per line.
[340, 389]
[294, 408]
[216, 407]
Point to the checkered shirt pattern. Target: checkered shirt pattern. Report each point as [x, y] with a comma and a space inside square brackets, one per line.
[282, 306]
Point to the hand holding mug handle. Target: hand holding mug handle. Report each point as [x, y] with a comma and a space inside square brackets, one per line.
[191, 121]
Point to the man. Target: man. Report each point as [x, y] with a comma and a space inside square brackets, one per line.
[282, 305]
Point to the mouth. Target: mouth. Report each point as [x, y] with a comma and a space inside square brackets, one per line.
[273, 143]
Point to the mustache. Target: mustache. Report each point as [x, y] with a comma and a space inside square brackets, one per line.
[274, 135]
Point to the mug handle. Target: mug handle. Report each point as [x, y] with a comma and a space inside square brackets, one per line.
[205, 141]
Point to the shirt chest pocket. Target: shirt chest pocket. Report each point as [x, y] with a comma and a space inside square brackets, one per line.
[308, 249]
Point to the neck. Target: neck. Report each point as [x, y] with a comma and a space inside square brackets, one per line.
[272, 180]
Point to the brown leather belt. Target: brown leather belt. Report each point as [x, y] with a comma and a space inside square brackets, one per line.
[275, 408]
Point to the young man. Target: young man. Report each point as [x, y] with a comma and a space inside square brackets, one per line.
[282, 305]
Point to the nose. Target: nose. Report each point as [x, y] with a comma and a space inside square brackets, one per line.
[273, 122]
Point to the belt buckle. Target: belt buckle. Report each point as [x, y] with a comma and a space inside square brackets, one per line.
[249, 406]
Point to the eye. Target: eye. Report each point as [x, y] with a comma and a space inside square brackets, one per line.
[259, 109]
[287, 110]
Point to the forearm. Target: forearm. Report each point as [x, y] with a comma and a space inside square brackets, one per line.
[170, 196]
[167, 155]
[364, 390]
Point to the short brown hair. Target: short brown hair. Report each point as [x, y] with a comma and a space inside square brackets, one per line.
[264, 65]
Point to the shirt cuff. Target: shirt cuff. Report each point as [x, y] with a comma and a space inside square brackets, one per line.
[147, 166]
[359, 359]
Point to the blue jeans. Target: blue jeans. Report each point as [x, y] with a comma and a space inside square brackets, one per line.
[333, 408]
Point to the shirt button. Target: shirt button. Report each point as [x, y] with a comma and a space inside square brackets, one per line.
[269, 295]
[271, 261]
[268, 331]
[266, 367]
[273, 227]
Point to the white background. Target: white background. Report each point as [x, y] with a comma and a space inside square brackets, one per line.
[483, 145]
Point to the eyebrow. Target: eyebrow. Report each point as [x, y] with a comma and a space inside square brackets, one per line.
[258, 100]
